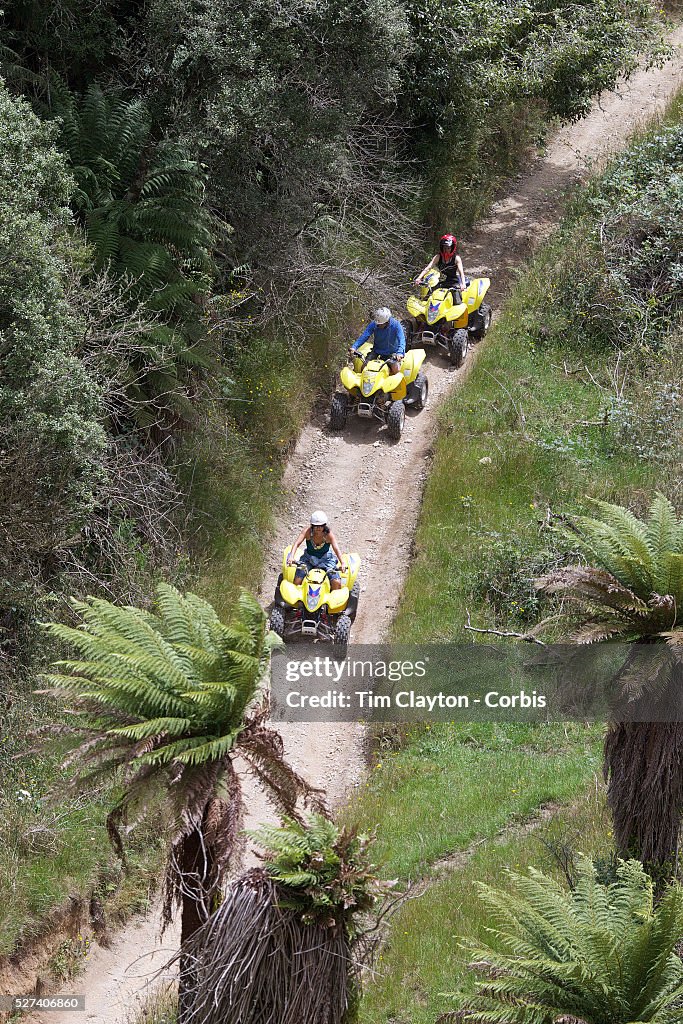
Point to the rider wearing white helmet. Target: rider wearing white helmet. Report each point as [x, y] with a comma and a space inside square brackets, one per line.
[388, 339]
[322, 551]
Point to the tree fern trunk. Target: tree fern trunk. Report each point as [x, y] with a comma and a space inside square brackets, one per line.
[643, 763]
[196, 870]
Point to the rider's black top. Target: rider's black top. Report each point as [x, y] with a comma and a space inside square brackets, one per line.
[450, 270]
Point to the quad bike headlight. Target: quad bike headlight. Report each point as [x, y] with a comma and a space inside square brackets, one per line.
[367, 386]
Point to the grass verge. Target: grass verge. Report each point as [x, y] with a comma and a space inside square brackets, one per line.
[54, 847]
[452, 785]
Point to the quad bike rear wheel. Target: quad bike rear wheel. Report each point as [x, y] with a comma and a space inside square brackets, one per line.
[396, 417]
[419, 390]
[484, 314]
[457, 348]
[277, 622]
[339, 410]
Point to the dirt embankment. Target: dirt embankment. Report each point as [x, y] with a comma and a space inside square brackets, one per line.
[371, 489]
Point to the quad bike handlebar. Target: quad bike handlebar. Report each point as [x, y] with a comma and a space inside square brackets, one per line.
[338, 568]
[395, 357]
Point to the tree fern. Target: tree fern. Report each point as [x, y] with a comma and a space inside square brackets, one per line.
[615, 962]
[141, 202]
[322, 871]
[641, 555]
[634, 593]
[171, 696]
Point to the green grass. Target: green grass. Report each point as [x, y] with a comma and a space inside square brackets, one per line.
[525, 418]
[452, 785]
[53, 843]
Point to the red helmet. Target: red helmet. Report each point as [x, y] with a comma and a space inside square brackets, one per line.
[448, 246]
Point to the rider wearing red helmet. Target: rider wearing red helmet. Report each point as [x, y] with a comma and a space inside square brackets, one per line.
[448, 263]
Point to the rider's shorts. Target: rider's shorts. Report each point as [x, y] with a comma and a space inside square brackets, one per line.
[328, 562]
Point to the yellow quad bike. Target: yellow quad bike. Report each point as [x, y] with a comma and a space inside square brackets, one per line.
[312, 609]
[372, 390]
[436, 318]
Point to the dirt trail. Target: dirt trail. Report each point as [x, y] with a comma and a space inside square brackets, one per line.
[371, 488]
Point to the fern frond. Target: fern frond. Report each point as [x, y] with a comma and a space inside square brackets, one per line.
[615, 961]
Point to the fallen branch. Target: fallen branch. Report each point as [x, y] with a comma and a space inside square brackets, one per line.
[528, 637]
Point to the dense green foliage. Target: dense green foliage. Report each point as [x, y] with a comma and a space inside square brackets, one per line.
[487, 74]
[51, 438]
[620, 281]
[322, 871]
[142, 205]
[287, 189]
[605, 954]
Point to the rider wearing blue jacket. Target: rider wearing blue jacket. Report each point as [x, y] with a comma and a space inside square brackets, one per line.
[388, 337]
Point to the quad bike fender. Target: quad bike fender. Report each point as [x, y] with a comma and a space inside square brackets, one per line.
[457, 312]
[415, 307]
[353, 561]
[400, 391]
[337, 600]
[392, 381]
[288, 571]
[290, 593]
[474, 296]
[349, 378]
[412, 361]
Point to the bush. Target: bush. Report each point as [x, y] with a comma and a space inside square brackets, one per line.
[615, 273]
[51, 440]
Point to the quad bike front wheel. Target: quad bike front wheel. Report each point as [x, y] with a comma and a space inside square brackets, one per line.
[396, 417]
[485, 314]
[339, 410]
[277, 622]
[408, 331]
[342, 633]
[457, 348]
[419, 390]
[352, 606]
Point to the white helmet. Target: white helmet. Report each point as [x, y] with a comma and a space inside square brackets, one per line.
[318, 518]
[382, 315]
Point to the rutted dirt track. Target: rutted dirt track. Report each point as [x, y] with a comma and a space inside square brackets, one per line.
[371, 487]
